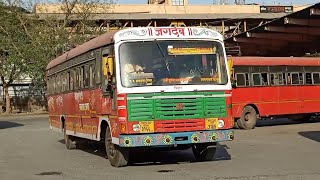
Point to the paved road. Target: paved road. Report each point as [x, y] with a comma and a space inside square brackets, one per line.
[28, 150]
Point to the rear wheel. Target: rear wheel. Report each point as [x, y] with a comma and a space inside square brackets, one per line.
[203, 152]
[69, 141]
[236, 126]
[117, 156]
[248, 118]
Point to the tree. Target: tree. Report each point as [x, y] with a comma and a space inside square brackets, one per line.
[13, 43]
[30, 41]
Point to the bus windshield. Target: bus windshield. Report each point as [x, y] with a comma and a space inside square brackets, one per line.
[162, 63]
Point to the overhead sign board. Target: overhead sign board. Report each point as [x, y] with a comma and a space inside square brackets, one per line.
[276, 9]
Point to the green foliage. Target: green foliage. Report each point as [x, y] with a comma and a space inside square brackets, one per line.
[28, 43]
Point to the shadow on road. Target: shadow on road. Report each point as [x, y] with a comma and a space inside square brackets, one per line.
[144, 157]
[313, 135]
[8, 124]
[283, 121]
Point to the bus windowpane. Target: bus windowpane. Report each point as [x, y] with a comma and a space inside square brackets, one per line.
[265, 78]
[91, 75]
[316, 78]
[85, 76]
[77, 85]
[281, 78]
[274, 79]
[256, 79]
[241, 79]
[295, 78]
[308, 78]
[82, 79]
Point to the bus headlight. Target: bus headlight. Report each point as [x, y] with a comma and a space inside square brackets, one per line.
[220, 123]
[136, 127]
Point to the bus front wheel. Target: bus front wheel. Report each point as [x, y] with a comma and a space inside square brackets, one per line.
[248, 118]
[203, 152]
[117, 156]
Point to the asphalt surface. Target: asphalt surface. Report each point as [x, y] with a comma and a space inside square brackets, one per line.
[278, 149]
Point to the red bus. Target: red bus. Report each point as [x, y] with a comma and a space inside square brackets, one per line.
[275, 87]
[144, 87]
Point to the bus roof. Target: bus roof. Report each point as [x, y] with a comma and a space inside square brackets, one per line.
[276, 61]
[137, 33]
[94, 43]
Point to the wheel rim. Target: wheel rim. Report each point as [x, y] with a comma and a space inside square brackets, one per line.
[248, 117]
[110, 147]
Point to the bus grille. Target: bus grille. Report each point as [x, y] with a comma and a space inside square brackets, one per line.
[169, 108]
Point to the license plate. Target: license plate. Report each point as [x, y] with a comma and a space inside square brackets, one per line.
[146, 126]
[211, 123]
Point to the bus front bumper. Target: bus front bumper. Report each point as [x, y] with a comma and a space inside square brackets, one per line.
[170, 139]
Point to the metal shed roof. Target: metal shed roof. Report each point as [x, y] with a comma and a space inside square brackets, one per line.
[292, 35]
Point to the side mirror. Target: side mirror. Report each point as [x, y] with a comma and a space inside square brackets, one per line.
[105, 67]
[110, 63]
[107, 63]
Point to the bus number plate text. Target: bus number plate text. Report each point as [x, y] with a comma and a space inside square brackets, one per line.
[211, 123]
[146, 126]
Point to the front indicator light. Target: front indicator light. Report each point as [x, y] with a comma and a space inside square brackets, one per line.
[136, 127]
[220, 123]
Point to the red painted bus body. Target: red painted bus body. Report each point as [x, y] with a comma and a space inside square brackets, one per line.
[285, 98]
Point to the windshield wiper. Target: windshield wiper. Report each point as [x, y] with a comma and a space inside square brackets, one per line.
[164, 57]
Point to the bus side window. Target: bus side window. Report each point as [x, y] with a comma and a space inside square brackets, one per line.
[295, 80]
[277, 79]
[71, 79]
[91, 75]
[283, 78]
[309, 78]
[58, 83]
[256, 79]
[68, 81]
[241, 79]
[81, 77]
[49, 85]
[274, 79]
[77, 85]
[301, 78]
[54, 84]
[63, 82]
[86, 76]
[265, 79]
[316, 78]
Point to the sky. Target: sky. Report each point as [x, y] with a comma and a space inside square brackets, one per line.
[265, 2]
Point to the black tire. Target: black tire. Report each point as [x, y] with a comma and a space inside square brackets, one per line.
[69, 141]
[236, 126]
[204, 153]
[248, 119]
[117, 156]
